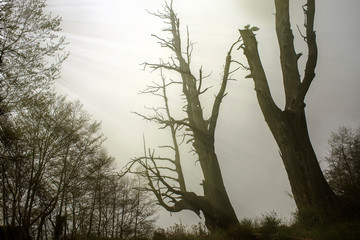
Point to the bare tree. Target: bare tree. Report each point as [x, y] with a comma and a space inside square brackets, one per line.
[165, 174]
[289, 126]
[143, 209]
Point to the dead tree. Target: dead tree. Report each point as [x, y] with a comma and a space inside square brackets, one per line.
[165, 175]
[288, 126]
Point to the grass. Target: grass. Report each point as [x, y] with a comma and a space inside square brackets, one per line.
[306, 226]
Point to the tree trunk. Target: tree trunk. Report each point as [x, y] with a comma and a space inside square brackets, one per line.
[289, 127]
[218, 211]
[219, 214]
[309, 187]
[215, 203]
[74, 219]
[60, 222]
[91, 216]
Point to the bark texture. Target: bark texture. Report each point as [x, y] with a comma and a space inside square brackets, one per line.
[288, 126]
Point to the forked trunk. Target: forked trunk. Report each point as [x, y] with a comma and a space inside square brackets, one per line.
[288, 126]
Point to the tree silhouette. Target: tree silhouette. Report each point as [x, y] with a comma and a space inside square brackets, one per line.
[288, 126]
[343, 171]
[30, 50]
[165, 174]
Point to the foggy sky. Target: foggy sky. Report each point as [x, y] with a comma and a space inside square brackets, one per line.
[109, 39]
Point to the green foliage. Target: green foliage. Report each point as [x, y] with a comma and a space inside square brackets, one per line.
[247, 223]
[269, 224]
[338, 231]
[180, 231]
[308, 223]
[235, 232]
[159, 234]
[308, 218]
[253, 28]
[343, 231]
[53, 164]
[31, 52]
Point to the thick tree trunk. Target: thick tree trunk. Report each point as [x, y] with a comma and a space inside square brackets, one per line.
[289, 126]
[309, 187]
[221, 214]
[215, 204]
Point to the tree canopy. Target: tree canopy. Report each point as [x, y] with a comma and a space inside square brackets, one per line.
[343, 170]
[31, 50]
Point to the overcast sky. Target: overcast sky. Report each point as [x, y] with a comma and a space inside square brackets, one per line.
[109, 39]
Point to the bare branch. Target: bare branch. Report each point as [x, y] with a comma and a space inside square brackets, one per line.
[262, 89]
[309, 11]
[288, 56]
[221, 94]
[241, 65]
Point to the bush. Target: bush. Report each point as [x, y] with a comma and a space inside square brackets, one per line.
[180, 231]
[308, 218]
[159, 234]
[234, 233]
[269, 224]
[247, 223]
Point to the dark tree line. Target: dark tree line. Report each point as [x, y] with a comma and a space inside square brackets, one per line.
[57, 180]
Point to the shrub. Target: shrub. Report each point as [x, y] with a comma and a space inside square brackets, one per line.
[247, 223]
[308, 218]
[269, 224]
[159, 234]
[234, 233]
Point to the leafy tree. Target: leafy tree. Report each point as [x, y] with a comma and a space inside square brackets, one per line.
[42, 165]
[288, 126]
[165, 174]
[30, 60]
[30, 50]
[56, 178]
[343, 159]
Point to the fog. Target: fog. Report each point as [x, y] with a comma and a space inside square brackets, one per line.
[108, 40]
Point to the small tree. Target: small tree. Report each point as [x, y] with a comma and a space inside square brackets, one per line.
[343, 159]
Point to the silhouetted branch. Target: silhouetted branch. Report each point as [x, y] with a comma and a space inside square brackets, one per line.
[221, 94]
[309, 11]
